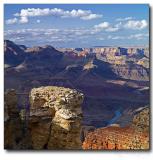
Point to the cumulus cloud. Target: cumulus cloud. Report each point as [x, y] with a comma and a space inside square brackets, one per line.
[124, 19]
[24, 14]
[105, 26]
[11, 21]
[102, 25]
[119, 25]
[23, 20]
[91, 16]
[37, 12]
[136, 25]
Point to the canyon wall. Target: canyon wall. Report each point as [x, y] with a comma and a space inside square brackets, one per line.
[15, 134]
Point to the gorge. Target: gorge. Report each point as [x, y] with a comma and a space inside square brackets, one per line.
[109, 86]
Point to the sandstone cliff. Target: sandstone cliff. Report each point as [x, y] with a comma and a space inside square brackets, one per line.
[55, 118]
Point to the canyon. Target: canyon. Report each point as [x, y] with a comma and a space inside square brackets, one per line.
[110, 85]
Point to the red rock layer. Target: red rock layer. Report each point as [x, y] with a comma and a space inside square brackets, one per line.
[116, 138]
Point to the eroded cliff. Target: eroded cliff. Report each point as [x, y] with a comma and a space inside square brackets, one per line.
[55, 118]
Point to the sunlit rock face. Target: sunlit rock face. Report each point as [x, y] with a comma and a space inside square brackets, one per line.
[55, 118]
[135, 136]
[141, 120]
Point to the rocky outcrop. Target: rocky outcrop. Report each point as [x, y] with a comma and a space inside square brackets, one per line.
[55, 118]
[131, 71]
[13, 133]
[144, 62]
[11, 120]
[141, 120]
[136, 136]
[116, 138]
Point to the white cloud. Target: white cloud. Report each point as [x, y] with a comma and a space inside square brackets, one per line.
[124, 19]
[105, 26]
[138, 36]
[101, 27]
[37, 12]
[112, 29]
[11, 21]
[47, 35]
[130, 24]
[119, 25]
[115, 37]
[136, 25]
[118, 37]
[91, 16]
[23, 20]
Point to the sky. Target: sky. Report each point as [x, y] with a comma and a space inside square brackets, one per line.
[77, 25]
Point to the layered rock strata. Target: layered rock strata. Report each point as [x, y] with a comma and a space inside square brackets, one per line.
[135, 136]
[55, 118]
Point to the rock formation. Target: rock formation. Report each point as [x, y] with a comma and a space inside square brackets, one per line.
[13, 134]
[141, 120]
[11, 120]
[13, 54]
[109, 77]
[135, 136]
[55, 118]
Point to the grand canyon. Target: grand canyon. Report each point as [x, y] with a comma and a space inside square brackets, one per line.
[76, 98]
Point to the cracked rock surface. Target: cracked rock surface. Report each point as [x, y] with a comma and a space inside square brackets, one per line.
[55, 118]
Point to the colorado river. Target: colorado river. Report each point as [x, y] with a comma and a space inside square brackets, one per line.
[117, 116]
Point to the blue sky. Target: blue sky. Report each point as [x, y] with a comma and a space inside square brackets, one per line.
[74, 25]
